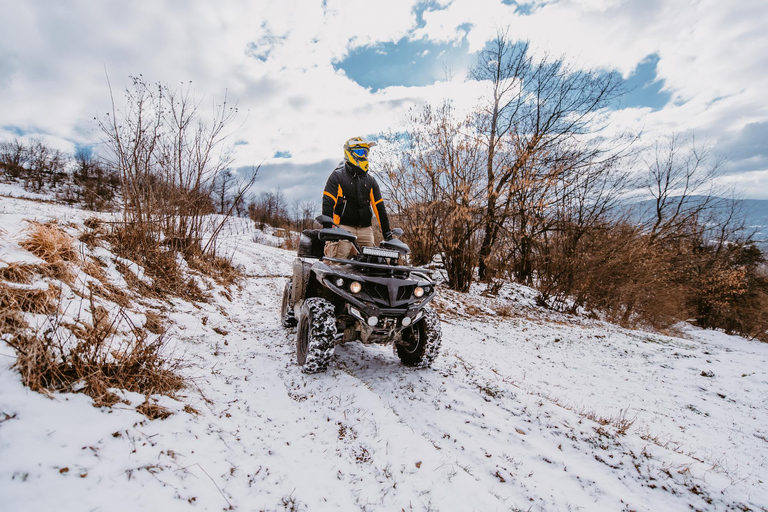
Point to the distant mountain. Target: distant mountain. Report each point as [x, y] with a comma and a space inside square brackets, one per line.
[754, 210]
[757, 218]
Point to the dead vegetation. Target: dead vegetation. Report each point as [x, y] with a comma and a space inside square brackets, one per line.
[92, 359]
[37, 300]
[100, 349]
[50, 243]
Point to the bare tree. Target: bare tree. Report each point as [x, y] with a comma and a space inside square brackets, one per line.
[269, 208]
[680, 176]
[223, 186]
[538, 105]
[46, 165]
[14, 157]
[168, 155]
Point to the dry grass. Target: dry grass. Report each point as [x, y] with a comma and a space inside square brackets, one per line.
[159, 263]
[220, 269]
[620, 422]
[155, 323]
[97, 231]
[506, 311]
[26, 299]
[92, 359]
[50, 243]
[106, 351]
[153, 411]
[19, 272]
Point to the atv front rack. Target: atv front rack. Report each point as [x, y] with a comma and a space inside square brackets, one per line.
[377, 266]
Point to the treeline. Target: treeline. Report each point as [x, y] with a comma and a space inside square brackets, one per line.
[531, 187]
[80, 178]
[86, 180]
[271, 208]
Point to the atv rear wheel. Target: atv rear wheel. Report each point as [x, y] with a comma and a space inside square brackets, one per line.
[287, 317]
[421, 343]
[315, 336]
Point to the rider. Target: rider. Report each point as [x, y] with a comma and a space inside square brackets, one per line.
[352, 197]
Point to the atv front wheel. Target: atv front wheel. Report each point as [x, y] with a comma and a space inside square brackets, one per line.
[421, 343]
[315, 336]
[287, 317]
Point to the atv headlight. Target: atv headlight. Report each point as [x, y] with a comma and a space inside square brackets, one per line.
[419, 291]
[355, 287]
[339, 282]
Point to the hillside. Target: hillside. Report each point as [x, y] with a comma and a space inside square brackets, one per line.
[525, 410]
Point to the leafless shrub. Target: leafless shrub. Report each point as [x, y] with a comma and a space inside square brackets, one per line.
[169, 159]
[436, 190]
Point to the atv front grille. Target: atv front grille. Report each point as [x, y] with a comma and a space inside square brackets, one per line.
[405, 292]
[380, 293]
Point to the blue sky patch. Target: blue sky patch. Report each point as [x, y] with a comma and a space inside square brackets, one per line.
[20, 132]
[85, 150]
[644, 89]
[282, 154]
[524, 9]
[405, 63]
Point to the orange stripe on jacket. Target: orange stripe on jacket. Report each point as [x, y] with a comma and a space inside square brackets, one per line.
[374, 202]
[339, 194]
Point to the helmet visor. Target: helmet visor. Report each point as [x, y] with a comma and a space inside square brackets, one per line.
[360, 152]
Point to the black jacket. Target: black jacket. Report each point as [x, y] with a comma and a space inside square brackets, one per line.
[352, 197]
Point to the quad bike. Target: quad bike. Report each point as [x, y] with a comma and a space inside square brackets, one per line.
[370, 297]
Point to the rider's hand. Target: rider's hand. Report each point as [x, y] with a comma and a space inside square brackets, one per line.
[388, 235]
[327, 225]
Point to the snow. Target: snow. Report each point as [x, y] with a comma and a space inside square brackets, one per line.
[501, 421]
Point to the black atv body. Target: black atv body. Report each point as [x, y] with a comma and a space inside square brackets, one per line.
[369, 297]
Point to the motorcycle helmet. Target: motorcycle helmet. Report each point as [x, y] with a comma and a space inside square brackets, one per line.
[356, 152]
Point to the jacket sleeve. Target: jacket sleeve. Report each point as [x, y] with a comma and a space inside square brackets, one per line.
[377, 203]
[331, 195]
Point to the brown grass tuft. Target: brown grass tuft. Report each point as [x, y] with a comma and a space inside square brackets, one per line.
[153, 411]
[96, 232]
[159, 263]
[217, 267]
[155, 323]
[43, 301]
[50, 243]
[18, 272]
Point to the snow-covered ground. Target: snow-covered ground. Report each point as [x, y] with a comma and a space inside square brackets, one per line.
[524, 410]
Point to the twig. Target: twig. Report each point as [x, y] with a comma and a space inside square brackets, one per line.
[214, 483]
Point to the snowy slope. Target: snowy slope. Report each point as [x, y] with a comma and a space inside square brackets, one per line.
[514, 415]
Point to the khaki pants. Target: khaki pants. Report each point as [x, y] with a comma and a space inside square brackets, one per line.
[344, 249]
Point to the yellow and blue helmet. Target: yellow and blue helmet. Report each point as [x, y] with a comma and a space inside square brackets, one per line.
[356, 152]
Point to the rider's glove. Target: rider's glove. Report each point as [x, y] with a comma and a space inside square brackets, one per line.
[388, 235]
[327, 225]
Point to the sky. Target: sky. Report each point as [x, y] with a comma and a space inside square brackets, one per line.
[307, 75]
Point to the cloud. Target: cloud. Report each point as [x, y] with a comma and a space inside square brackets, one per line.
[747, 149]
[302, 182]
[276, 59]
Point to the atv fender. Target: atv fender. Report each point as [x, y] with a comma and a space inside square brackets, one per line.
[302, 281]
